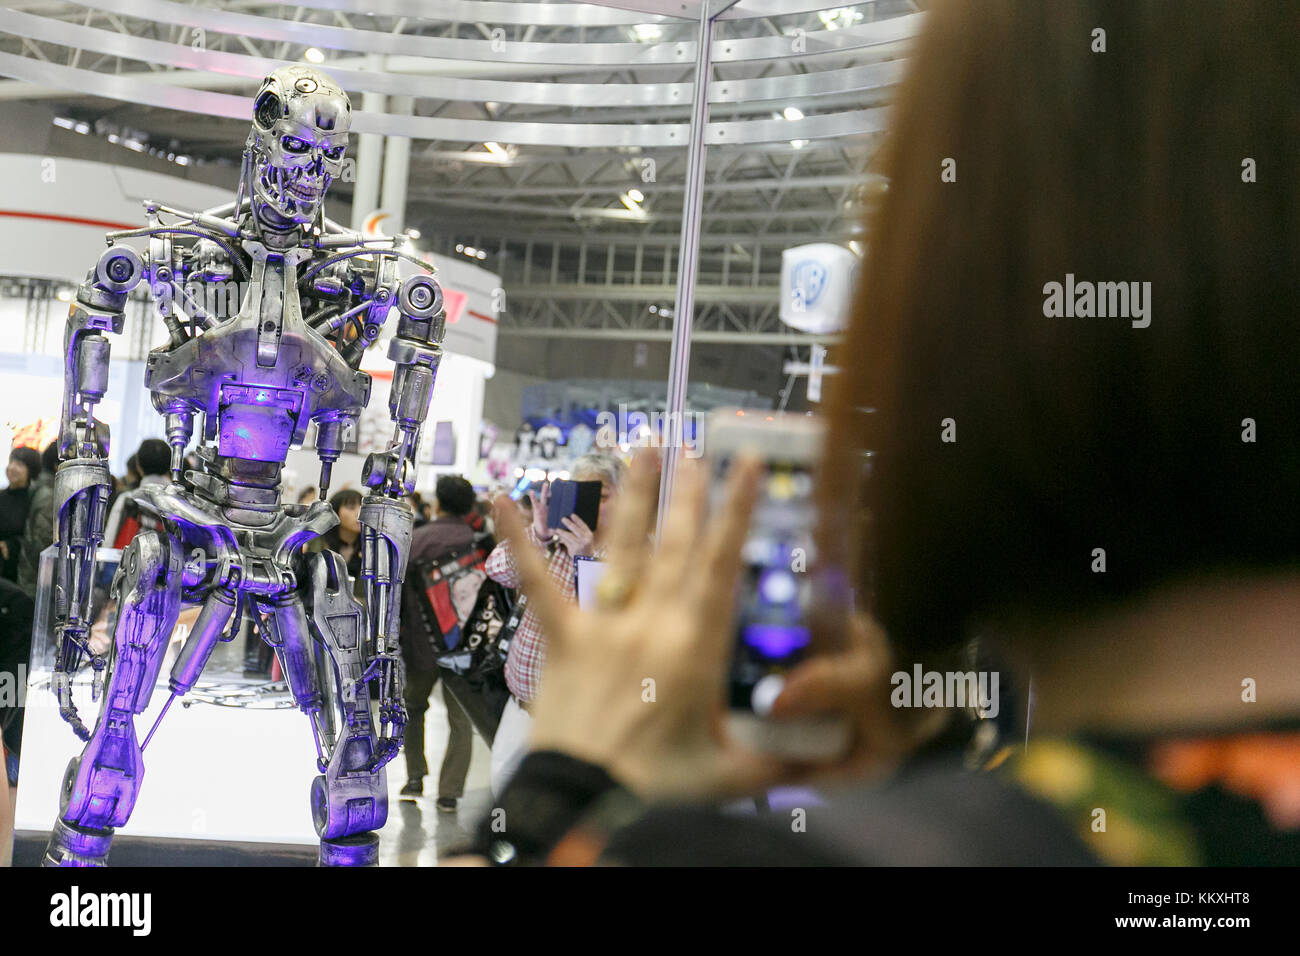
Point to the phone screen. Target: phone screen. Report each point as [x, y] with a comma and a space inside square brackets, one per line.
[578, 498]
[773, 631]
[521, 488]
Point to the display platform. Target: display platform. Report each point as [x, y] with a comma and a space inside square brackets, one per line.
[228, 773]
[212, 772]
[232, 761]
[29, 849]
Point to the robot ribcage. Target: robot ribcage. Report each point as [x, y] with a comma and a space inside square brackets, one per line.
[261, 374]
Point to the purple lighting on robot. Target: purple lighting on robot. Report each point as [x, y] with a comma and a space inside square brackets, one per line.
[776, 641]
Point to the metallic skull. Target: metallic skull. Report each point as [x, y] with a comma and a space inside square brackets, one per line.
[300, 129]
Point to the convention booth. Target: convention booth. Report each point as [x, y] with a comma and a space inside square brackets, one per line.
[231, 763]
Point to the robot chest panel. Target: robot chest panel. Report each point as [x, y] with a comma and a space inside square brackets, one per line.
[256, 409]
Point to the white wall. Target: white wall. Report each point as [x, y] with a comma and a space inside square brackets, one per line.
[89, 199]
[31, 388]
[457, 397]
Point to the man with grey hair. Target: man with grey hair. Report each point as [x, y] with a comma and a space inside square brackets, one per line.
[527, 655]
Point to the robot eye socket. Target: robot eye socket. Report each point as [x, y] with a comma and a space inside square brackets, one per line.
[293, 144]
[335, 153]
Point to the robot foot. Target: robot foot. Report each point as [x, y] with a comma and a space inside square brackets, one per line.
[358, 849]
[72, 845]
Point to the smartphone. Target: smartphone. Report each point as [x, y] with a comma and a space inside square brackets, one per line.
[581, 498]
[778, 597]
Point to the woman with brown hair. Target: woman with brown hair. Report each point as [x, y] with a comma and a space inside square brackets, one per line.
[1073, 357]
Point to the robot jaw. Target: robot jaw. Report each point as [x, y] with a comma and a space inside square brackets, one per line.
[293, 193]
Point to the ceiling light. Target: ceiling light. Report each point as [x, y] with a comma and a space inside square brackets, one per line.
[798, 143]
[839, 17]
[64, 295]
[497, 150]
[636, 194]
[647, 32]
[480, 254]
[313, 55]
[631, 203]
[413, 233]
[654, 310]
[792, 113]
[460, 247]
[856, 247]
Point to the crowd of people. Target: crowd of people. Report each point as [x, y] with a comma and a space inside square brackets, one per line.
[1104, 502]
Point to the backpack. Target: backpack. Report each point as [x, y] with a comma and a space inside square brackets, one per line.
[130, 526]
[475, 674]
[449, 587]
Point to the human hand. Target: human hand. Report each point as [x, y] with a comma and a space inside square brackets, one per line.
[636, 685]
[577, 538]
[854, 684]
[541, 502]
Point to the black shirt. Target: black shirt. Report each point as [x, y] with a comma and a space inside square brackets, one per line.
[935, 813]
[14, 504]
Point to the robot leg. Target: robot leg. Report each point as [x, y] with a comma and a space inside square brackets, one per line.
[348, 802]
[100, 786]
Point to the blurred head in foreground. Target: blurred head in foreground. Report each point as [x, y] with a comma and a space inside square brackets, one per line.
[1074, 359]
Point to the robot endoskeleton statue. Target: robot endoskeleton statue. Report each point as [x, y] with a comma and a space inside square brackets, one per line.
[313, 298]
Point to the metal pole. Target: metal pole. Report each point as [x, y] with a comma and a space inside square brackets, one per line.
[397, 165]
[370, 147]
[687, 261]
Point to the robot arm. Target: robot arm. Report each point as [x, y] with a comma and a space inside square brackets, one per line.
[416, 352]
[82, 483]
[386, 521]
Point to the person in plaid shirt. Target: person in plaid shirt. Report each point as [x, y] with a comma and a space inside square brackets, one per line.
[527, 655]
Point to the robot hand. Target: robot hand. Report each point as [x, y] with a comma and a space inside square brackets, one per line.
[392, 710]
[82, 487]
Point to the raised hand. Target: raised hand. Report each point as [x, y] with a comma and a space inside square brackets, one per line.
[577, 538]
[636, 685]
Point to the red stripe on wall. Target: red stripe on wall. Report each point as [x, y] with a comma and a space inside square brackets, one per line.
[74, 220]
[480, 315]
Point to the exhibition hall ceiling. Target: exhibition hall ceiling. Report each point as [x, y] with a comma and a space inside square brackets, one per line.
[549, 138]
